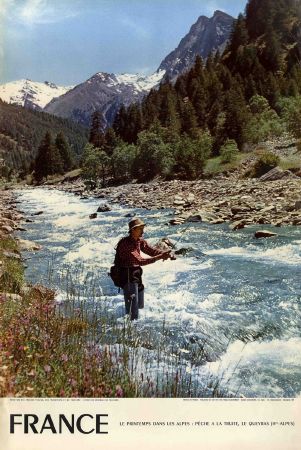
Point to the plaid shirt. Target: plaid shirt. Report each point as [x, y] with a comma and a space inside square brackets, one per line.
[128, 251]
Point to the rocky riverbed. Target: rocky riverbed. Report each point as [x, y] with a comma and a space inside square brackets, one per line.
[10, 217]
[223, 199]
[11, 220]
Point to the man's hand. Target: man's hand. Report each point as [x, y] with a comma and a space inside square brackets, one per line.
[168, 255]
[165, 255]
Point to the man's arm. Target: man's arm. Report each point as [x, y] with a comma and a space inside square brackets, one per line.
[130, 256]
[148, 250]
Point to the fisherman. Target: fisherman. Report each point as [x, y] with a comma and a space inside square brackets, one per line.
[130, 262]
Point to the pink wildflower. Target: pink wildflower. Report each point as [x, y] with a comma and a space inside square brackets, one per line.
[119, 391]
[47, 369]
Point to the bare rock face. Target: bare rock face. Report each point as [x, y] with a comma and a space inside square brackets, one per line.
[205, 36]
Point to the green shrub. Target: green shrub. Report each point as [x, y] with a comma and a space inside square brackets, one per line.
[264, 122]
[229, 151]
[265, 163]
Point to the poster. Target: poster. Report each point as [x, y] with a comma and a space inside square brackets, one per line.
[114, 423]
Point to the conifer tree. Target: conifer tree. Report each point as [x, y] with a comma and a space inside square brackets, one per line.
[48, 160]
[189, 120]
[111, 141]
[64, 152]
[96, 137]
[236, 115]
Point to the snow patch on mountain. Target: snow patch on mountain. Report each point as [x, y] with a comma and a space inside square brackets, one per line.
[141, 83]
[31, 93]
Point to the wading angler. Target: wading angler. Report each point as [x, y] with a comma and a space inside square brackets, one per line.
[127, 272]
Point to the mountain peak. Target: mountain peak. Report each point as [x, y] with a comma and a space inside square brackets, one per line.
[205, 36]
[218, 12]
[31, 94]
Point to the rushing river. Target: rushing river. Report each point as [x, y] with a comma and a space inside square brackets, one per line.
[235, 297]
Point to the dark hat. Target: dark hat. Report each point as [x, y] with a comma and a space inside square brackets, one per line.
[134, 223]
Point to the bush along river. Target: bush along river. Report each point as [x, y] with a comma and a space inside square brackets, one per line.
[222, 320]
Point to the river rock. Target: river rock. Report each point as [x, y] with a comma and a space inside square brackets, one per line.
[202, 216]
[277, 174]
[93, 216]
[12, 255]
[103, 208]
[268, 209]
[7, 228]
[218, 221]
[238, 225]
[264, 234]
[179, 202]
[100, 195]
[21, 229]
[38, 213]
[298, 205]
[177, 221]
[191, 197]
[28, 246]
[239, 209]
[11, 297]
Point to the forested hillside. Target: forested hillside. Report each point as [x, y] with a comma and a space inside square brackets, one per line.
[22, 130]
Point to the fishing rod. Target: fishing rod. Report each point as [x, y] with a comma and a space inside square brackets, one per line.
[173, 245]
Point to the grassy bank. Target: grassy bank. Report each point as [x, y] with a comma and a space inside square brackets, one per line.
[44, 353]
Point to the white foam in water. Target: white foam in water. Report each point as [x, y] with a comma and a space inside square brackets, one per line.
[70, 222]
[211, 301]
[258, 361]
[287, 254]
[91, 252]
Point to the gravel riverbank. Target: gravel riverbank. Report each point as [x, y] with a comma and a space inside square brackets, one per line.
[238, 201]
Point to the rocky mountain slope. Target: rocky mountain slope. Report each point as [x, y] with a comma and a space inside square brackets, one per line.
[31, 94]
[104, 92]
[205, 36]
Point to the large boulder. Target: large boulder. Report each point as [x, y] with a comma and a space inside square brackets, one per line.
[277, 174]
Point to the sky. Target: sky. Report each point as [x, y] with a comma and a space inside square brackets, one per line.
[67, 41]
